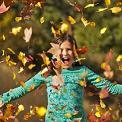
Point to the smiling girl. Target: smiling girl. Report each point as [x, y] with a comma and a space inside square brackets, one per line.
[65, 94]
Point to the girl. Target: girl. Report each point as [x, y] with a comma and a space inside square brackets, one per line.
[65, 94]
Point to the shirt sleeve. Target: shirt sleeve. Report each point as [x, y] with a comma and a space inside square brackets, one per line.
[18, 92]
[100, 82]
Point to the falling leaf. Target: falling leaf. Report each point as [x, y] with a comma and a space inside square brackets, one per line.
[103, 30]
[42, 20]
[105, 66]
[46, 60]
[54, 50]
[16, 30]
[32, 87]
[20, 109]
[20, 70]
[120, 67]
[8, 61]
[109, 74]
[17, 19]
[64, 27]
[87, 23]
[82, 50]
[22, 83]
[11, 50]
[3, 37]
[22, 58]
[109, 56]
[14, 76]
[89, 5]
[71, 20]
[29, 58]
[102, 104]
[116, 10]
[38, 4]
[27, 34]
[119, 58]
[107, 2]
[98, 79]
[53, 30]
[101, 9]
[3, 8]
[82, 83]
[3, 52]
[104, 93]
[97, 114]
[68, 115]
[31, 66]
[41, 111]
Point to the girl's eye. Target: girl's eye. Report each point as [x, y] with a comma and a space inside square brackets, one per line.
[69, 49]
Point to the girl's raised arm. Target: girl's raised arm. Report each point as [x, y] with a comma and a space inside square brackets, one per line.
[100, 82]
[18, 92]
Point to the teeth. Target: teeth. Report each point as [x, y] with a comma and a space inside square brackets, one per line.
[65, 58]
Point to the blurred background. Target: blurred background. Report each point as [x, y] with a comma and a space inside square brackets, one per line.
[97, 30]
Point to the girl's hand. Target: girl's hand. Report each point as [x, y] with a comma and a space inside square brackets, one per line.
[56, 65]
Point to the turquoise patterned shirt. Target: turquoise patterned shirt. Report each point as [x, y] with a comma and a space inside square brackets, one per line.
[65, 94]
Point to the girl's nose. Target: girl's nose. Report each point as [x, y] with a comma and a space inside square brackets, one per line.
[64, 52]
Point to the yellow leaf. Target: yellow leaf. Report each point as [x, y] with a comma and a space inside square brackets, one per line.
[82, 83]
[116, 10]
[45, 58]
[103, 30]
[16, 30]
[3, 37]
[89, 5]
[22, 58]
[120, 67]
[3, 52]
[98, 79]
[53, 30]
[102, 9]
[17, 19]
[7, 58]
[11, 50]
[71, 20]
[68, 115]
[97, 114]
[21, 70]
[38, 5]
[21, 107]
[22, 83]
[107, 2]
[14, 76]
[119, 58]
[32, 87]
[42, 20]
[41, 111]
[31, 66]
[11, 63]
[102, 104]
[64, 27]
[87, 23]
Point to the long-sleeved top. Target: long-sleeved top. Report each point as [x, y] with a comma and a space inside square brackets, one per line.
[65, 94]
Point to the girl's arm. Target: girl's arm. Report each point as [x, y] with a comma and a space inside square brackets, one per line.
[100, 82]
[18, 92]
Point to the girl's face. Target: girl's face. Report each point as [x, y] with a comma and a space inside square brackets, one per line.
[67, 55]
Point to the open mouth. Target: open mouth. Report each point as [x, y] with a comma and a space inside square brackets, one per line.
[65, 59]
